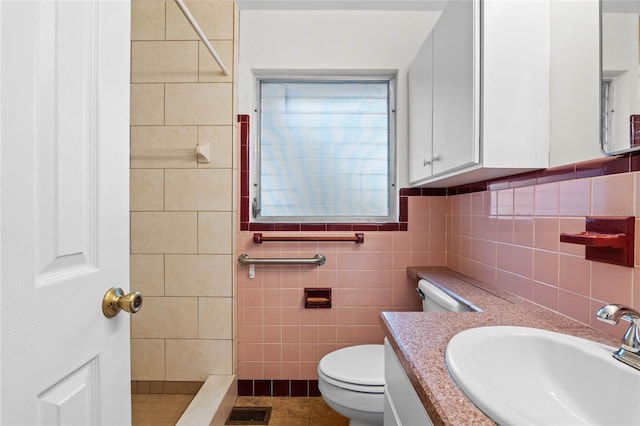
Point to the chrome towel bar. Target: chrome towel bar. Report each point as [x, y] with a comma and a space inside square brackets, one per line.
[318, 259]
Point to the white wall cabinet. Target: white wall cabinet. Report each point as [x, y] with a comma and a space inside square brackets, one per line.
[479, 93]
[420, 77]
[401, 403]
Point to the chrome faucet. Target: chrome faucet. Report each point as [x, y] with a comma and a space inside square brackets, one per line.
[629, 351]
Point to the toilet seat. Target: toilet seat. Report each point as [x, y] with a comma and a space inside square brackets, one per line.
[357, 368]
[351, 386]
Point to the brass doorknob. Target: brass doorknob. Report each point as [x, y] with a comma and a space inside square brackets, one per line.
[115, 300]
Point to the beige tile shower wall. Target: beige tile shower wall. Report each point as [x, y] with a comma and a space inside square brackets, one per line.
[183, 215]
[511, 238]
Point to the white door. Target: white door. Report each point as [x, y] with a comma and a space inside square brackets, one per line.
[64, 112]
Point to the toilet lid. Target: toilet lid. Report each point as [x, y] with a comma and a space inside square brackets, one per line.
[362, 365]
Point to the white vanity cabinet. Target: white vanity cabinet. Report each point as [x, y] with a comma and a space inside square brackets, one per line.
[479, 93]
[401, 403]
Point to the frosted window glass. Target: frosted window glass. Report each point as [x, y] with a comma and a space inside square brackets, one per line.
[325, 150]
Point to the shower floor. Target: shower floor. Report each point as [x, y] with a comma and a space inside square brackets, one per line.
[158, 409]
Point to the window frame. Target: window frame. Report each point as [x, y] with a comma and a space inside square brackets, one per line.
[255, 154]
[607, 100]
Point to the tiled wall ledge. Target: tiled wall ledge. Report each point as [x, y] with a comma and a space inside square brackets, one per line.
[160, 386]
[295, 388]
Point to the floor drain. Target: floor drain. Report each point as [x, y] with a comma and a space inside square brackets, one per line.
[249, 416]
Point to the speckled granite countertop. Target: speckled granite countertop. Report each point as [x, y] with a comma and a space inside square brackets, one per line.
[420, 339]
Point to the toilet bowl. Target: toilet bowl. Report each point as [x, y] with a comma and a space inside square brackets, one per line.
[351, 379]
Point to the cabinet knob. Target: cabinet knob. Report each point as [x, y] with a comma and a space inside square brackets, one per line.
[433, 159]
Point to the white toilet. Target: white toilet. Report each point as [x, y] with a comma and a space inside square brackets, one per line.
[351, 379]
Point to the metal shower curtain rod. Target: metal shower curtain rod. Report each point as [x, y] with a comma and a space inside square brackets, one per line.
[202, 36]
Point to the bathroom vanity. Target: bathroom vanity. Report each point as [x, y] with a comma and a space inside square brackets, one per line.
[417, 341]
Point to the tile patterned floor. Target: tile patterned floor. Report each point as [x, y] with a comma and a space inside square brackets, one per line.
[166, 409]
[295, 411]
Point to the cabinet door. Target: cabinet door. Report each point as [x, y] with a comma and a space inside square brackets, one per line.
[456, 87]
[421, 112]
[402, 405]
[391, 417]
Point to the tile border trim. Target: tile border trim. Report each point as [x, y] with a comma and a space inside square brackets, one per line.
[284, 388]
[165, 387]
[624, 163]
[608, 165]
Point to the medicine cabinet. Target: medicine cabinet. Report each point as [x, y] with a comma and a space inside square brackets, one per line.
[620, 79]
[479, 93]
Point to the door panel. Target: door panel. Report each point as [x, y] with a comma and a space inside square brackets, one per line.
[64, 86]
[64, 177]
[73, 400]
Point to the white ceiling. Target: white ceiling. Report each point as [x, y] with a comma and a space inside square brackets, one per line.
[425, 5]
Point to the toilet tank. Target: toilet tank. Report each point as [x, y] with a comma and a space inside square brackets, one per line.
[436, 300]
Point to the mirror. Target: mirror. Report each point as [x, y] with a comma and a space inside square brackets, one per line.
[620, 76]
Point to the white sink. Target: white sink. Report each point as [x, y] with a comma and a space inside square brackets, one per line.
[527, 376]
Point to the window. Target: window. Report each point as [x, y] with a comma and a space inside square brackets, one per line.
[325, 151]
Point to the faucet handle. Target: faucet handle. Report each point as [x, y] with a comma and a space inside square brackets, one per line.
[629, 351]
[631, 339]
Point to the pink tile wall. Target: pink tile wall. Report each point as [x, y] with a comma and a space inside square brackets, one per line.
[504, 232]
[279, 339]
[510, 238]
